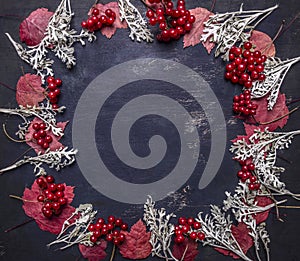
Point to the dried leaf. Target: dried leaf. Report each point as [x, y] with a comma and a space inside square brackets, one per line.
[136, 244]
[262, 202]
[241, 234]
[33, 209]
[263, 115]
[54, 145]
[193, 37]
[94, 253]
[109, 31]
[189, 248]
[29, 90]
[32, 29]
[263, 43]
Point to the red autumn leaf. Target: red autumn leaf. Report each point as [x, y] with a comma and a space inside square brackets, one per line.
[32, 208]
[263, 115]
[33, 28]
[249, 129]
[54, 145]
[94, 253]
[262, 202]
[193, 37]
[188, 248]
[109, 31]
[241, 234]
[29, 90]
[136, 244]
[263, 43]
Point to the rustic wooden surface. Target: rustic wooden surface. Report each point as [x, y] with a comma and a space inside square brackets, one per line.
[29, 242]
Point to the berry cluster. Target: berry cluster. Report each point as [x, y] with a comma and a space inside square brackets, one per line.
[52, 196]
[246, 174]
[245, 65]
[54, 91]
[173, 22]
[111, 231]
[188, 227]
[96, 21]
[242, 104]
[41, 136]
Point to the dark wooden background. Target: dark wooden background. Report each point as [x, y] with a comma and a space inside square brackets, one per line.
[29, 242]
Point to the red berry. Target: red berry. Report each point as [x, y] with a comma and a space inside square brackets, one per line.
[182, 221]
[60, 194]
[190, 221]
[185, 228]
[248, 84]
[36, 135]
[50, 196]
[118, 222]
[36, 126]
[152, 21]
[110, 21]
[95, 11]
[109, 237]
[91, 227]
[192, 19]
[179, 239]
[234, 79]
[238, 51]
[251, 186]
[93, 239]
[40, 198]
[111, 219]
[101, 221]
[49, 178]
[52, 187]
[62, 201]
[247, 45]
[60, 187]
[50, 79]
[201, 236]
[252, 179]
[97, 233]
[55, 205]
[48, 139]
[193, 235]
[188, 26]
[251, 166]
[103, 19]
[110, 226]
[257, 54]
[40, 142]
[98, 226]
[47, 212]
[197, 225]
[124, 226]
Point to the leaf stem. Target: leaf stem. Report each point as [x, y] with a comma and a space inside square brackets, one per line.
[289, 207]
[24, 200]
[7, 86]
[277, 119]
[17, 226]
[113, 253]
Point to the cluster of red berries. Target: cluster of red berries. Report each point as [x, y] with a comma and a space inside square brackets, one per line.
[111, 231]
[41, 136]
[173, 22]
[188, 227]
[242, 104]
[246, 174]
[54, 91]
[52, 196]
[96, 21]
[245, 65]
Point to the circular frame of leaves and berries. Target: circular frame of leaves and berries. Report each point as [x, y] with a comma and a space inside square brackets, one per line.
[231, 229]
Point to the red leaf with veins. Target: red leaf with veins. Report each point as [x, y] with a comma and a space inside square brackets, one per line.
[262, 202]
[94, 253]
[136, 244]
[263, 115]
[109, 31]
[189, 248]
[193, 37]
[249, 129]
[29, 90]
[54, 145]
[241, 234]
[263, 43]
[33, 28]
[33, 209]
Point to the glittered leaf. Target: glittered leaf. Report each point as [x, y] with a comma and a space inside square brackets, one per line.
[241, 234]
[188, 248]
[54, 145]
[136, 244]
[33, 208]
[29, 90]
[33, 28]
[263, 115]
[94, 253]
[109, 31]
[193, 37]
[263, 43]
[262, 202]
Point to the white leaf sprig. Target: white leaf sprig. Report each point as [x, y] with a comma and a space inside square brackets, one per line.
[77, 226]
[57, 159]
[228, 29]
[275, 71]
[161, 230]
[136, 23]
[43, 112]
[59, 38]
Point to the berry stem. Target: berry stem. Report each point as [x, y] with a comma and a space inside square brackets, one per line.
[7, 86]
[17, 226]
[213, 5]
[113, 253]
[290, 207]
[24, 200]
[289, 24]
[293, 101]
[145, 4]
[9, 137]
